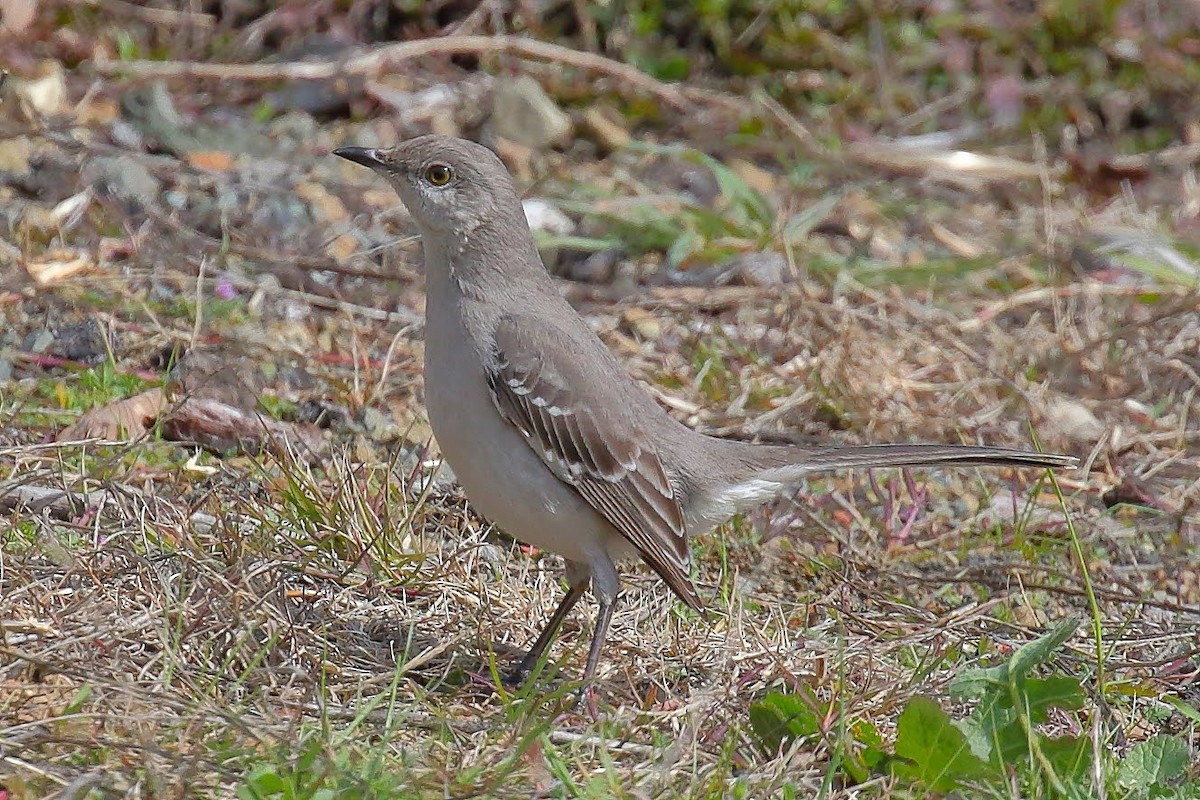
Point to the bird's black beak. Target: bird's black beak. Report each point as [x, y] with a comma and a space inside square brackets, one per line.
[367, 156]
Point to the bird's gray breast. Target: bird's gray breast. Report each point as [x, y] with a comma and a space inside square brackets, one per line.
[502, 476]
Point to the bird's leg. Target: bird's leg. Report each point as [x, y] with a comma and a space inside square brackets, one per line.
[578, 576]
[606, 583]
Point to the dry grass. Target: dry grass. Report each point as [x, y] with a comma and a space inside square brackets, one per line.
[343, 622]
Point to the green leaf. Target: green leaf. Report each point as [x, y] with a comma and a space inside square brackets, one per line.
[79, 699]
[974, 682]
[741, 195]
[263, 781]
[1038, 651]
[867, 734]
[995, 728]
[859, 763]
[978, 737]
[1062, 691]
[995, 711]
[127, 49]
[1070, 756]
[264, 111]
[714, 224]
[782, 718]
[1186, 709]
[1155, 761]
[673, 67]
[933, 750]
[683, 247]
[801, 224]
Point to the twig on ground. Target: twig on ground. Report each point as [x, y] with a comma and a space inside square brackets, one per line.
[156, 16]
[380, 59]
[434, 722]
[999, 575]
[1043, 294]
[801, 134]
[64, 504]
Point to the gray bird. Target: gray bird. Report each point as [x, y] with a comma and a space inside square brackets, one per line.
[550, 438]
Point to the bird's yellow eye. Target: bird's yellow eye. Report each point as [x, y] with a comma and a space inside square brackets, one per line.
[438, 174]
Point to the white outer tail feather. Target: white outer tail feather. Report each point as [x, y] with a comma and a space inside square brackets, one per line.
[733, 499]
[770, 482]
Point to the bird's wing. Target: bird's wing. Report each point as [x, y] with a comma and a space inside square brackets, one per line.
[586, 437]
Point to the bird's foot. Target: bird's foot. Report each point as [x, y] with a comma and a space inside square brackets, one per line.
[515, 678]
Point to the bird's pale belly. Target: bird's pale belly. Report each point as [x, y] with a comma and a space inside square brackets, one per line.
[504, 478]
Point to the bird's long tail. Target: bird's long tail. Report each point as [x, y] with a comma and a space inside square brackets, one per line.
[757, 473]
[806, 460]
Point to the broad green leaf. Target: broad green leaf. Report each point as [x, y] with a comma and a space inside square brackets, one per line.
[861, 762]
[974, 682]
[1061, 691]
[1155, 761]
[867, 734]
[780, 718]
[1038, 651]
[1070, 757]
[994, 730]
[977, 737]
[930, 749]
[263, 781]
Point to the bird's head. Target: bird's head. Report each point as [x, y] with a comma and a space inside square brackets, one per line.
[449, 185]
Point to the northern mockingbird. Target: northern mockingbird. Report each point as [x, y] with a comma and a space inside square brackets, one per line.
[549, 436]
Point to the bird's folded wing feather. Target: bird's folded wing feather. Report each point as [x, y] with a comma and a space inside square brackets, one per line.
[589, 442]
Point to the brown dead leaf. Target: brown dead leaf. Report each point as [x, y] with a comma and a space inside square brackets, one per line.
[642, 322]
[379, 198]
[121, 421]
[212, 424]
[98, 111]
[325, 206]
[43, 94]
[210, 160]
[58, 265]
[220, 427]
[606, 127]
[342, 248]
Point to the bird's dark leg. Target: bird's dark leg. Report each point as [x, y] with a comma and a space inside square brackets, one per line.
[606, 583]
[603, 618]
[579, 579]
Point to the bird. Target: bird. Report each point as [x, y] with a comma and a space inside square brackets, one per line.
[550, 438]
